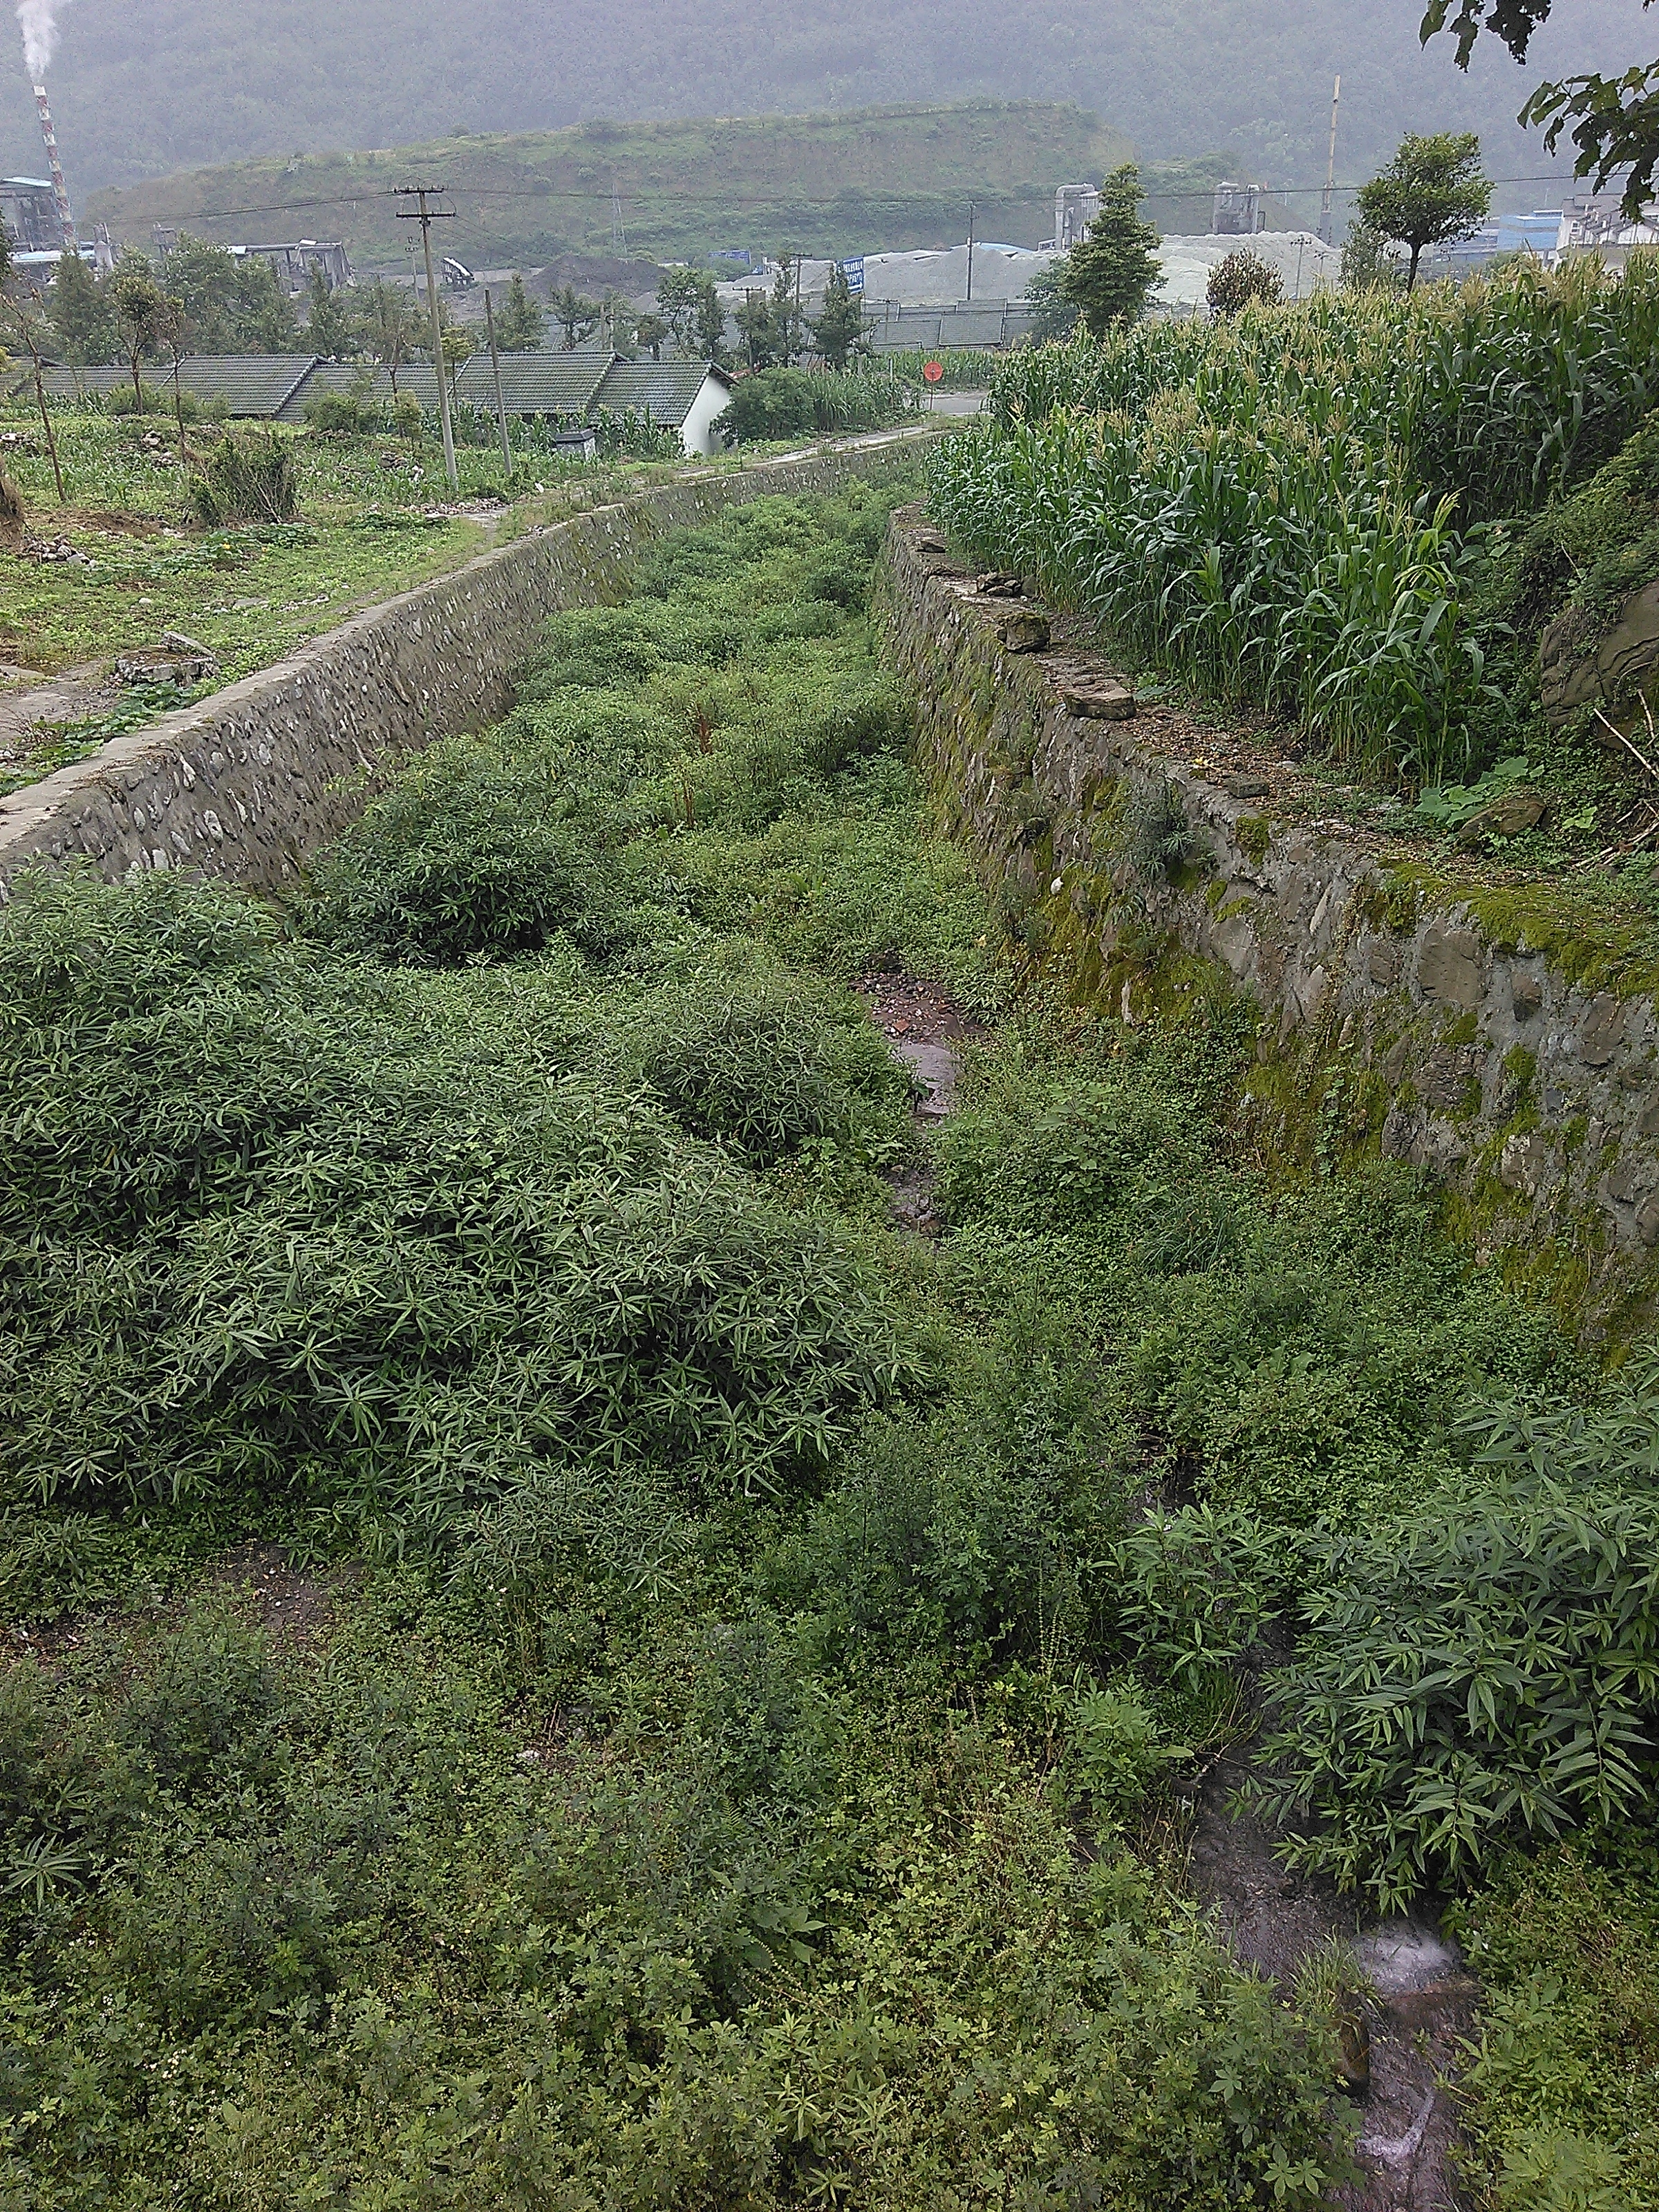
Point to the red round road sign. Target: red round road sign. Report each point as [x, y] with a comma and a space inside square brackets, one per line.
[933, 370]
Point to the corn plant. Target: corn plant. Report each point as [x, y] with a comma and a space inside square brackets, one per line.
[1273, 505]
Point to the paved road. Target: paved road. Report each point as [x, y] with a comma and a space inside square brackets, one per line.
[958, 403]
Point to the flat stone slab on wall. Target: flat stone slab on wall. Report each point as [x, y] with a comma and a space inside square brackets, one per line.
[244, 783]
[1391, 1020]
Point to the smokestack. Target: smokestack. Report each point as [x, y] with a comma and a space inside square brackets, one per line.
[59, 189]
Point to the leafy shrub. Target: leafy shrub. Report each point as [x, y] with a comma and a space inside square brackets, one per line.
[1161, 838]
[1482, 1673]
[340, 413]
[320, 1227]
[752, 1070]
[248, 476]
[795, 403]
[1238, 278]
[469, 855]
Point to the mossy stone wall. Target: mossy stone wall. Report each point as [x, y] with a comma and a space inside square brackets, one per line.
[1468, 1032]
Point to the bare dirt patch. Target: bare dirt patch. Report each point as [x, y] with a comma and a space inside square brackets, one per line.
[924, 1026]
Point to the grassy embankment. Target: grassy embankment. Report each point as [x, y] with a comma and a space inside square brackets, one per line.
[850, 182]
[370, 524]
[728, 1742]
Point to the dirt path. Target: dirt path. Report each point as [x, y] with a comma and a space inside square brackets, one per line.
[924, 1027]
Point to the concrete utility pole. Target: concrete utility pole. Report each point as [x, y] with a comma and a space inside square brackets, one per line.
[426, 217]
[973, 209]
[495, 369]
[1325, 224]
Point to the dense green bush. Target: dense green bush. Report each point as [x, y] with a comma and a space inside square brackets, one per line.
[471, 854]
[1486, 1671]
[799, 402]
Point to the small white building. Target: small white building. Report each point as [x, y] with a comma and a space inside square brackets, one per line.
[687, 396]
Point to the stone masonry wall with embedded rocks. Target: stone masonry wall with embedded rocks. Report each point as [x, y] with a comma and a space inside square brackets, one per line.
[1460, 1027]
[244, 783]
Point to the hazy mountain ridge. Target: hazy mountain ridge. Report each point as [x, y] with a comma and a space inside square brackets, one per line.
[826, 183]
[138, 86]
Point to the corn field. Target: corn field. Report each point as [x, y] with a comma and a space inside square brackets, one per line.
[1278, 506]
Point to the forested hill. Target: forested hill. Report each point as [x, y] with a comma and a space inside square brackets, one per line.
[821, 183]
[144, 87]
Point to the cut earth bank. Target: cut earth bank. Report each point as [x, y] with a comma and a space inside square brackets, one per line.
[1466, 1028]
[243, 783]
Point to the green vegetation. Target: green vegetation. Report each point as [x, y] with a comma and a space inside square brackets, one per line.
[1308, 509]
[1432, 193]
[742, 1663]
[1113, 270]
[205, 550]
[804, 403]
[834, 183]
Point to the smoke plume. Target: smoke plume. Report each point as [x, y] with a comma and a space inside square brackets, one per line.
[39, 20]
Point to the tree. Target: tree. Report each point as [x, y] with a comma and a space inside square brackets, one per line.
[328, 326]
[521, 325]
[204, 276]
[787, 317]
[678, 296]
[757, 331]
[389, 324]
[1052, 315]
[1113, 270]
[1431, 193]
[263, 314]
[24, 322]
[618, 322]
[838, 333]
[653, 332]
[710, 327]
[1239, 277]
[1369, 263]
[141, 308]
[1617, 117]
[576, 317]
[83, 320]
[459, 346]
[172, 332]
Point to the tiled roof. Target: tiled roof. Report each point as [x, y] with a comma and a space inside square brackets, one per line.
[665, 391]
[537, 383]
[256, 385]
[272, 387]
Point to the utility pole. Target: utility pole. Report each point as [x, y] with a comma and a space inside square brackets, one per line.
[1325, 223]
[973, 209]
[426, 217]
[495, 369]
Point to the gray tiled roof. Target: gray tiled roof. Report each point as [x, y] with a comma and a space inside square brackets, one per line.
[665, 391]
[256, 385]
[277, 387]
[537, 383]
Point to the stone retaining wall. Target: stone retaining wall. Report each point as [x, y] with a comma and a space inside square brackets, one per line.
[243, 784]
[1459, 1027]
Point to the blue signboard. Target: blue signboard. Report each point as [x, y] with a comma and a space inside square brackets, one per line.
[854, 272]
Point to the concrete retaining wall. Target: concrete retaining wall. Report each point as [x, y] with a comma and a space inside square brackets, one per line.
[243, 784]
[1472, 1031]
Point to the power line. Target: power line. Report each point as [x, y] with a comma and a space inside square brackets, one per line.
[646, 198]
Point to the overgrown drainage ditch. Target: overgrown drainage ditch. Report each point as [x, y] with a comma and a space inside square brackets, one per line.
[1400, 2052]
